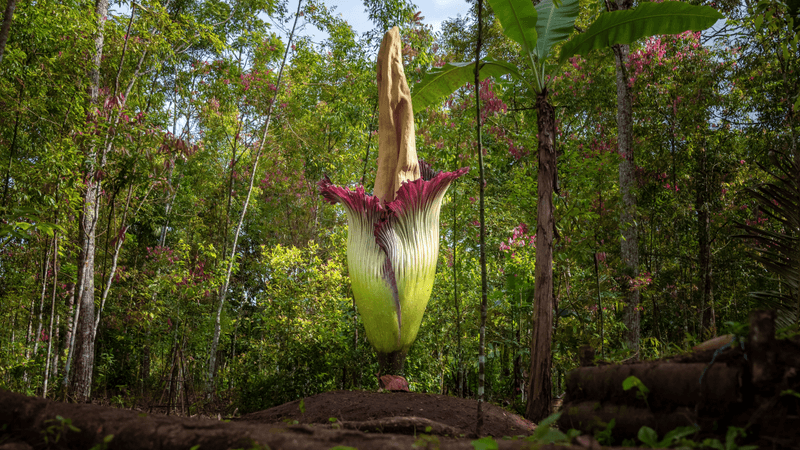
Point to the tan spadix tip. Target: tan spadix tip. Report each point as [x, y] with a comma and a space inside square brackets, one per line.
[397, 150]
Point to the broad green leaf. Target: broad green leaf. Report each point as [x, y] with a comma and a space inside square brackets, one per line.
[555, 24]
[443, 81]
[648, 436]
[648, 19]
[519, 20]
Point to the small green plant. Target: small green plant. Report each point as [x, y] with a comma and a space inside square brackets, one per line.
[730, 441]
[546, 434]
[641, 390]
[427, 441]
[302, 406]
[103, 445]
[649, 437]
[791, 392]
[605, 437]
[60, 426]
[485, 443]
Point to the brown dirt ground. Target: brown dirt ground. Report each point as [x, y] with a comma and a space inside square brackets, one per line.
[360, 407]
[365, 421]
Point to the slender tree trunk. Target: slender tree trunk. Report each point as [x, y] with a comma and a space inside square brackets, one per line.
[7, 18]
[52, 316]
[81, 385]
[70, 325]
[481, 183]
[629, 244]
[540, 395]
[12, 150]
[117, 248]
[456, 300]
[39, 322]
[702, 198]
[212, 359]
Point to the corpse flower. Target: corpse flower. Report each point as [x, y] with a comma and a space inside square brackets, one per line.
[393, 235]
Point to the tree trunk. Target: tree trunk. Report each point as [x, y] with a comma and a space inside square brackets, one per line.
[539, 384]
[39, 322]
[81, 385]
[7, 18]
[70, 325]
[629, 245]
[481, 184]
[52, 316]
[702, 197]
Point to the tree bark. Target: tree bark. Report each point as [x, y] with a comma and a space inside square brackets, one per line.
[481, 183]
[80, 388]
[52, 316]
[540, 394]
[702, 197]
[7, 18]
[629, 245]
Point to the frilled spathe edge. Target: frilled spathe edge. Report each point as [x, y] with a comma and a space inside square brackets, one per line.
[406, 231]
[411, 195]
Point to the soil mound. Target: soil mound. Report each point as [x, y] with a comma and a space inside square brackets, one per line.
[404, 421]
[395, 412]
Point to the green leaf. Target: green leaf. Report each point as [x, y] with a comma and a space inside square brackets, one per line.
[648, 436]
[518, 19]
[441, 82]
[678, 433]
[555, 24]
[648, 19]
[549, 420]
[631, 382]
[485, 443]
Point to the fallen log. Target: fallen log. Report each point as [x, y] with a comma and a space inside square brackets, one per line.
[755, 386]
[715, 387]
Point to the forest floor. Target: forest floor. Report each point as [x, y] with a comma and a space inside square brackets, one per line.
[343, 419]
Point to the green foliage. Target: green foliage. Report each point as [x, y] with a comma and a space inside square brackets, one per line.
[633, 382]
[649, 437]
[519, 21]
[103, 445]
[485, 443]
[647, 19]
[57, 429]
[605, 436]
[555, 24]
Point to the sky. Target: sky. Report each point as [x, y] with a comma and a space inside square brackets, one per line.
[434, 12]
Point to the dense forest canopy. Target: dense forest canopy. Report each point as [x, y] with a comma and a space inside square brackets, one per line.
[141, 256]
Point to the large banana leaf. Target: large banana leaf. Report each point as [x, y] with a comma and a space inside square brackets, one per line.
[648, 19]
[555, 24]
[519, 19]
[441, 82]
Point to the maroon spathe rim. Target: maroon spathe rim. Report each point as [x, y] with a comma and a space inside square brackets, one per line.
[412, 194]
[415, 194]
